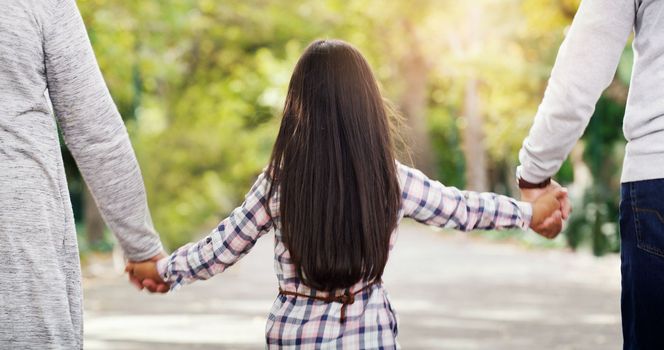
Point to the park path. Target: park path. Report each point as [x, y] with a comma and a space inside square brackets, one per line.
[450, 290]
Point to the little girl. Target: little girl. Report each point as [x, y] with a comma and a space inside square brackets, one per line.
[334, 194]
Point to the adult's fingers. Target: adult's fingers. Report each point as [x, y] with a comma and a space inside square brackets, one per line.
[129, 269]
[150, 285]
[555, 226]
[565, 206]
[155, 287]
[544, 228]
[551, 226]
[163, 288]
[135, 281]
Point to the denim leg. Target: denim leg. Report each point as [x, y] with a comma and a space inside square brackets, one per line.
[642, 267]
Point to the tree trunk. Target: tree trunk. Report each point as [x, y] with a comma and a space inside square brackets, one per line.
[473, 133]
[94, 223]
[473, 139]
[413, 103]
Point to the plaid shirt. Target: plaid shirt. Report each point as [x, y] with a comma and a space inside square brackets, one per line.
[299, 322]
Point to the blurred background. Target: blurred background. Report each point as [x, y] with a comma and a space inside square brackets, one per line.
[201, 83]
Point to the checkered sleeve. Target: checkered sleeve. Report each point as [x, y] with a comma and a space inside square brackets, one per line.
[432, 203]
[225, 245]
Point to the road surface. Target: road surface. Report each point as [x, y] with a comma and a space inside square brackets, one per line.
[450, 291]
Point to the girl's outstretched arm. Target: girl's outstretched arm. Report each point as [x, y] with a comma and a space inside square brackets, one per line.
[430, 202]
[229, 242]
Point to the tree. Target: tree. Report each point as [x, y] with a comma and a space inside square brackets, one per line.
[201, 85]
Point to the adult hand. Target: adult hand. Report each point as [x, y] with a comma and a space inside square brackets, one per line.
[149, 284]
[550, 227]
[547, 215]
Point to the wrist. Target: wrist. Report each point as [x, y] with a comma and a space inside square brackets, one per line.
[162, 269]
[527, 184]
[527, 211]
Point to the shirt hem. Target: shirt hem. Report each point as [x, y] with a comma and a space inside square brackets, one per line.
[643, 167]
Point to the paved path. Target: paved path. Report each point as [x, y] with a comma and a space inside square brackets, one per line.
[451, 291]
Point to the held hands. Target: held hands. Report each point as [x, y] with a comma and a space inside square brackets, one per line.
[550, 207]
[144, 274]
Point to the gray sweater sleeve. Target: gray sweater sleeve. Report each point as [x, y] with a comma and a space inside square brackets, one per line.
[94, 132]
[585, 66]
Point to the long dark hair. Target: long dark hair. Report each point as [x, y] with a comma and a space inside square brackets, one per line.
[334, 164]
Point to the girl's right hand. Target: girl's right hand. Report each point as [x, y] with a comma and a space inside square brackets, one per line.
[548, 206]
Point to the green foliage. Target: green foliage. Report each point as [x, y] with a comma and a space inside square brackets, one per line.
[201, 84]
[446, 140]
[85, 247]
[596, 215]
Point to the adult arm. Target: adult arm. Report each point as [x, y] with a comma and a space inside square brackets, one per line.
[585, 66]
[94, 132]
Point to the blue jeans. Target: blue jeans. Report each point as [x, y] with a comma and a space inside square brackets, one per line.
[642, 255]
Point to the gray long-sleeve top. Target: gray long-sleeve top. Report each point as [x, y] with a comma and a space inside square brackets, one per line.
[44, 47]
[585, 66]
